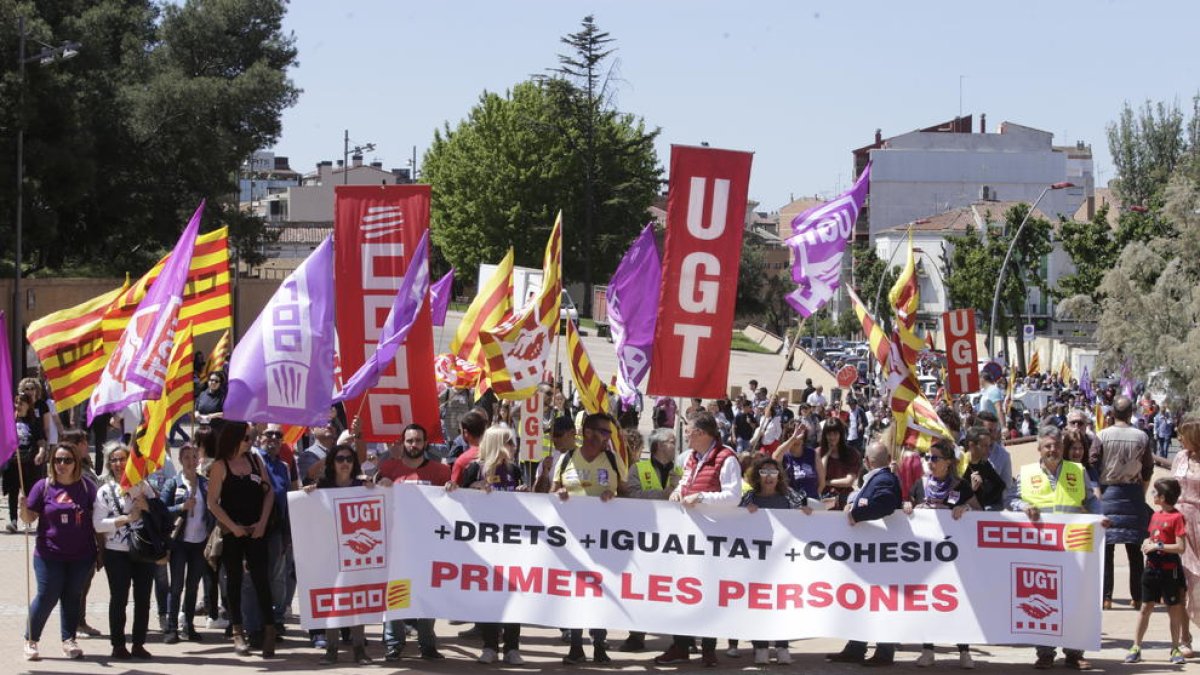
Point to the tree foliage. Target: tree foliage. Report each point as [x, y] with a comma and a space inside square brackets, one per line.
[872, 279]
[157, 111]
[1146, 147]
[500, 176]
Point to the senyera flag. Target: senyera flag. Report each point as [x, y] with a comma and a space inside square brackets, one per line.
[706, 211]
[400, 320]
[818, 242]
[137, 368]
[70, 346]
[439, 298]
[377, 229]
[633, 311]
[282, 369]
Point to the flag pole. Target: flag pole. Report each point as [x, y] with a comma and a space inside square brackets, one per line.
[788, 358]
[25, 535]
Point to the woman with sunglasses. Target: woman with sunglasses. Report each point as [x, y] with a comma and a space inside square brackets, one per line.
[62, 504]
[115, 509]
[941, 488]
[342, 471]
[240, 498]
[210, 403]
[769, 489]
[496, 470]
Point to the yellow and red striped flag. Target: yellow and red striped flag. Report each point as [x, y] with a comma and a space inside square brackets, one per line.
[1098, 411]
[491, 306]
[516, 350]
[1035, 364]
[70, 346]
[150, 442]
[1064, 372]
[206, 297]
[593, 393]
[219, 357]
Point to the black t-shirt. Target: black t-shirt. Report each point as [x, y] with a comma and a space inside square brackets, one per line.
[991, 493]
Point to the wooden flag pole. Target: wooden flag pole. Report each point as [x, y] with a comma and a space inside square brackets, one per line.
[25, 535]
[787, 359]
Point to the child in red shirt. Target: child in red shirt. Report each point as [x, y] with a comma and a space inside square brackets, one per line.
[1162, 580]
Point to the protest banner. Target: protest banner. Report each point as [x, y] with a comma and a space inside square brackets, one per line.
[363, 555]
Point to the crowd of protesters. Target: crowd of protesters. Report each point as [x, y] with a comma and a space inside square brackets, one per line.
[231, 558]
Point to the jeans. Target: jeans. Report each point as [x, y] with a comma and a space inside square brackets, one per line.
[187, 568]
[123, 572]
[1164, 446]
[61, 582]
[254, 553]
[212, 592]
[162, 588]
[277, 569]
[599, 637]
[1137, 564]
[394, 637]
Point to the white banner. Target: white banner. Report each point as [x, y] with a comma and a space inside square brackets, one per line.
[363, 555]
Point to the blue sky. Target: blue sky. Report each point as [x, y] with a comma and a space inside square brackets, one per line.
[800, 84]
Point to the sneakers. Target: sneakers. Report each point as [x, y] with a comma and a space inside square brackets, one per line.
[31, 648]
[733, 653]
[1135, 654]
[217, 623]
[672, 656]
[488, 655]
[392, 654]
[1186, 649]
[189, 634]
[72, 651]
[162, 623]
[926, 658]
[1176, 657]
[171, 638]
[761, 656]
[513, 658]
[782, 656]
[965, 661]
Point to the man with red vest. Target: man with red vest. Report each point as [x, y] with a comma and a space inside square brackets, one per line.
[711, 475]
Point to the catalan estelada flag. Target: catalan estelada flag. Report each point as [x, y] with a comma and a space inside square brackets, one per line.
[491, 306]
[150, 443]
[593, 393]
[207, 303]
[70, 346]
[1035, 364]
[219, 357]
[515, 351]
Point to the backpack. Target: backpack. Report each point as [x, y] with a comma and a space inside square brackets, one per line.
[150, 535]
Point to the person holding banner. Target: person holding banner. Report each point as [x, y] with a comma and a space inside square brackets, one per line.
[769, 491]
[562, 440]
[593, 470]
[494, 469]
[1054, 486]
[711, 475]
[840, 463]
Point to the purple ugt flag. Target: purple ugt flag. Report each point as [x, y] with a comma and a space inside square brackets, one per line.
[1085, 384]
[819, 237]
[282, 369]
[8, 421]
[137, 369]
[633, 312]
[409, 300]
[439, 298]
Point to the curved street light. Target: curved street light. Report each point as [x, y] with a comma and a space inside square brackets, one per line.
[1007, 256]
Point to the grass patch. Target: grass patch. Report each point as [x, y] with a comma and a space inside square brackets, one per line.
[741, 343]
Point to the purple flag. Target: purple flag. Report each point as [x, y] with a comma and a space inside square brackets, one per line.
[8, 422]
[407, 305]
[137, 369]
[1127, 379]
[819, 237]
[633, 312]
[1085, 384]
[282, 369]
[439, 298]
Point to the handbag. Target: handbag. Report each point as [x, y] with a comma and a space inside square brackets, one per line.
[213, 548]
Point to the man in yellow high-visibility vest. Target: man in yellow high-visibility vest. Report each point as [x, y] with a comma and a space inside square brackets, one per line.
[1054, 485]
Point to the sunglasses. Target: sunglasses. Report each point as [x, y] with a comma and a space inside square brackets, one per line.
[272, 434]
[64, 460]
[768, 472]
[344, 459]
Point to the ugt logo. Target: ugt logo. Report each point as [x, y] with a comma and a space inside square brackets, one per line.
[360, 533]
[1037, 599]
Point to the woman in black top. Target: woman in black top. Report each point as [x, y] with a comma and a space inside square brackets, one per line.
[28, 461]
[240, 498]
[983, 486]
[210, 403]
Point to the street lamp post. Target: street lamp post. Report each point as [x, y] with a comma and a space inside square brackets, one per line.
[346, 150]
[49, 54]
[1008, 255]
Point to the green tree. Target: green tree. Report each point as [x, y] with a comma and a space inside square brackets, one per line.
[1093, 250]
[552, 143]
[158, 111]
[872, 279]
[1146, 145]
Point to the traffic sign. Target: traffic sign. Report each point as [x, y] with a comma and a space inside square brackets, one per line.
[847, 376]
